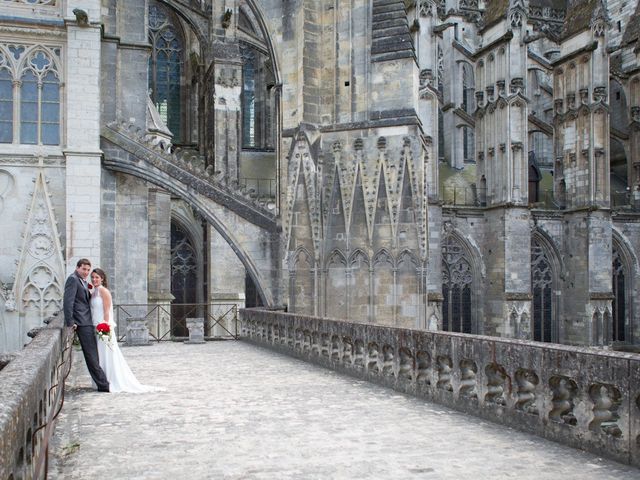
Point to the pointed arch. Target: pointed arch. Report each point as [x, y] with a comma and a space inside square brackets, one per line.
[461, 273]
[545, 271]
[383, 288]
[336, 287]
[166, 76]
[359, 284]
[625, 268]
[302, 287]
[408, 302]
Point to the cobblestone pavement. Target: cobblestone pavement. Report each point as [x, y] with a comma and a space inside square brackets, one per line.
[233, 411]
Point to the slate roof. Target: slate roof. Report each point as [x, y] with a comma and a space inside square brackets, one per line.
[494, 11]
[632, 32]
[579, 13]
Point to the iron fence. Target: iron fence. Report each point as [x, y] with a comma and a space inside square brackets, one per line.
[167, 322]
[625, 199]
[464, 196]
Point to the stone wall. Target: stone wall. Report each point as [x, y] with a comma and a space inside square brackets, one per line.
[27, 400]
[581, 397]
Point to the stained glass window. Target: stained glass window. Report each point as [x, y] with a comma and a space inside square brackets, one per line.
[6, 106]
[542, 284]
[165, 68]
[457, 279]
[619, 299]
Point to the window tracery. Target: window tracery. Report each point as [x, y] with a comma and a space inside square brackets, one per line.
[258, 103]
[542, 285]
[619, 298]
[30, 78]
[165, 72]
[457, 280]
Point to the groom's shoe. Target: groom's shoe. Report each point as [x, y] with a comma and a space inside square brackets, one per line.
[103, 389]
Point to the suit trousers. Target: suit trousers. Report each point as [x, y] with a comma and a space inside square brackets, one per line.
[87, 338]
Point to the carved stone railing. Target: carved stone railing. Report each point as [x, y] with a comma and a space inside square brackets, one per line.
[186, 167]
[31, 394]
[582, 397]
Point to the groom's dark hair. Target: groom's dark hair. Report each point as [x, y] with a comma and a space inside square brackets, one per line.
[83, 261]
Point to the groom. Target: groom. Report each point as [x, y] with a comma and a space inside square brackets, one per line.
[77, 314]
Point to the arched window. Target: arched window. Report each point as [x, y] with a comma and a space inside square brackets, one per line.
[184, 279]
[534, 180]
[542, 284]
[468, 88]
[258, 102]
[457, 280]
[619, 298]
[40, 101]
[165, 67]
[6, 104]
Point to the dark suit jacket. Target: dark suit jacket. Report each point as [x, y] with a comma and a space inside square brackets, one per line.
[77, 309]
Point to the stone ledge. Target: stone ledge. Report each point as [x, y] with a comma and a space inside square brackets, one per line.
[26, 399]
[579, 396]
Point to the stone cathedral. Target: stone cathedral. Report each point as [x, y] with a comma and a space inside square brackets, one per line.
[460, 165]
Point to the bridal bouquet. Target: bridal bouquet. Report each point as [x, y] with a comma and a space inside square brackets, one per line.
[104, 332]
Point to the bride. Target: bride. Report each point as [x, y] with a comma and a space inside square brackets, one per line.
[120, 377]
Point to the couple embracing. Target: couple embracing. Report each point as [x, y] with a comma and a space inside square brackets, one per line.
[87, 305]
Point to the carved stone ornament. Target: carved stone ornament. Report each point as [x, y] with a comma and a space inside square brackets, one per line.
[9, 297]
[426, 8]
[517, 85]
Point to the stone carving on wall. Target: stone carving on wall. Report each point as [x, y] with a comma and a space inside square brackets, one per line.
[40, 275]
[303, 166]
[7, 183]
[8, 297]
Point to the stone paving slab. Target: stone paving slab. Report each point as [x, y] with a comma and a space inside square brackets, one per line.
[234, 411]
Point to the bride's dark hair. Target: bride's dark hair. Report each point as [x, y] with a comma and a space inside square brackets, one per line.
[102, 275]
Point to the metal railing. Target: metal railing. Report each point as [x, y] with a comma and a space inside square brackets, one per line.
[624, 199]
[263, 187]
[464, 196]
[168, 322]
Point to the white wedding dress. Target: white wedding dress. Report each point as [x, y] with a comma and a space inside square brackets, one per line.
[113, 363]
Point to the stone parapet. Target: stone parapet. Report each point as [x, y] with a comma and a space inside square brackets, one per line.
[29, 393]
[582, 397]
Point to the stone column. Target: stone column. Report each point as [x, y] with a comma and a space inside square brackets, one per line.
[226, 283]
[196, 330]
[587, 294]
[137, 332]
[507, 295]
[82, 85]
[132, 61]
[159, 266]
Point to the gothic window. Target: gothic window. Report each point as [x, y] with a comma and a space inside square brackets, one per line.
[29, 79]
[165, 68]
[468, 89]
[184, 275]
[440, 71]
[619, 298]
[183, 266]
[534, 180]
[6, 106]
[257, 99]
[457, 280]
[542, 284]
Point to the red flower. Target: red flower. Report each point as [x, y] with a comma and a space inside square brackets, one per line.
[104, 332]
[90, 287]
[103, 328]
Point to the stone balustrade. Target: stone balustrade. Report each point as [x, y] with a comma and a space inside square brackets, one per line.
[29, 391]
[583, 397]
